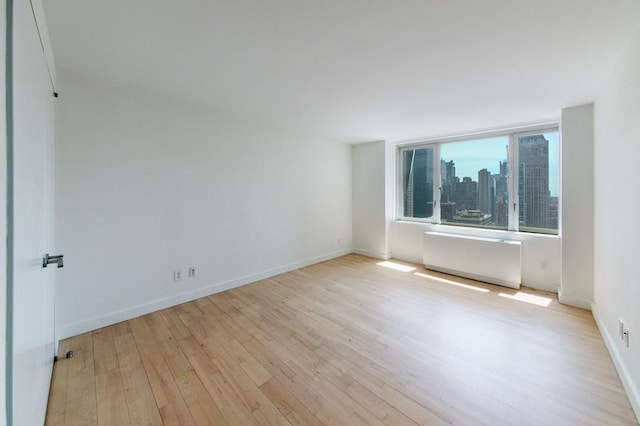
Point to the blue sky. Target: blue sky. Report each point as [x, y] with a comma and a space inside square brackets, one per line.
[470, 157]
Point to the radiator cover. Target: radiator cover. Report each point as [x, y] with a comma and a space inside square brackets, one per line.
[490, 260]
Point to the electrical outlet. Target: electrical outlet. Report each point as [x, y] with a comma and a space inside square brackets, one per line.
[544, 265]
[192, 272]
[177, 275]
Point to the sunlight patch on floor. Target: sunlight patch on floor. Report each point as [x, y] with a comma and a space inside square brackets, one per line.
[396, 266]
[457, 284]
[528, 298]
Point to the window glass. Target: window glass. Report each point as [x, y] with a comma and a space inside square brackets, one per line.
[417, 182]
[474, 183]
[538, 181]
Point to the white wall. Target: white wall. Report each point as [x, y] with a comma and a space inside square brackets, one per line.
[576, 210]
[146, 186]
[617, 219]
[369, 200]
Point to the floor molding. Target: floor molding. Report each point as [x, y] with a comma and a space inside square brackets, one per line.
[372, 254]
[114, 317]
[627, 381]
[574, 301]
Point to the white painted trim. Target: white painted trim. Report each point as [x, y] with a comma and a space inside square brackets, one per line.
[409, 259]
[574, 301]
[43, 30]
[97, 322]
[482, 133]
[627, 381]
[550, 288]
[373, 254]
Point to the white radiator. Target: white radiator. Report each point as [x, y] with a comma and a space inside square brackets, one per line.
[484, 259]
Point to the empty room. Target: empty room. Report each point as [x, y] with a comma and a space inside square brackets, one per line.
[236, 212]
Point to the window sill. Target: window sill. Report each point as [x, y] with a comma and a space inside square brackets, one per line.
[476, 232]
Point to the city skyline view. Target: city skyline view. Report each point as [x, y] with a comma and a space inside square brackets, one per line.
[474, 181]
[469, 160]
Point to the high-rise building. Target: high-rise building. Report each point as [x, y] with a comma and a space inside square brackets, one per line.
[501, 200]
[503, 166]
[553, 212]
[501, 195]
[466, 194]
[502, 213]
[533, 191]
[484, 191]
[448, 180]
[447, 211]
[418, 182]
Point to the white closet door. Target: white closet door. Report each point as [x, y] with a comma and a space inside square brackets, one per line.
[33, 162]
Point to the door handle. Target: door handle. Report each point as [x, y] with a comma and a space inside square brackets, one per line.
[48, 260]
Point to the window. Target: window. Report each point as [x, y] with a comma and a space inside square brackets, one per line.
[469, 182]
[474, 189]
[417, 181]
[538, 155]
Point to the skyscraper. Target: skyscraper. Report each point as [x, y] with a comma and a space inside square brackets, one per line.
[448, 181]
[501, 199]
[533, 191]
[466, 194]
[503, 166]
[484, 191]
[418, 182]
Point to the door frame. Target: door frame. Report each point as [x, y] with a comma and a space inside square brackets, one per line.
[8, 84]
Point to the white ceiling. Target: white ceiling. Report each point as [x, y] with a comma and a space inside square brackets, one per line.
[354, 69]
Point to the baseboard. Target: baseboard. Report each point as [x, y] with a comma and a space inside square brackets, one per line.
[409, 259]
[627, 381]
[115, 317]
[576, 302]
[373, 254]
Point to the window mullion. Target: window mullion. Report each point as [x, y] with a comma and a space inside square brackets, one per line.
[399, 185]
[437, 183]
[512, 176]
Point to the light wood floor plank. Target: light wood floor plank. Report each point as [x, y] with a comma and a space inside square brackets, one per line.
[142, 406]
[56, 408]
[111, 403]
[171, 404]
[347, 341]
[81, 392]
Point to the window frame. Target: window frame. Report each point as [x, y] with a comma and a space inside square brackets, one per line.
[514, 137]
[400, 183]
[513, 223]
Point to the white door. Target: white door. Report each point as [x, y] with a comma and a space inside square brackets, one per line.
[33, 186]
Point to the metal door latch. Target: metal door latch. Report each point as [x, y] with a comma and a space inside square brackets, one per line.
[48, 260]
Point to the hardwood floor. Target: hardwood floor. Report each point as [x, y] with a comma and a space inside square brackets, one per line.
[349, 341]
